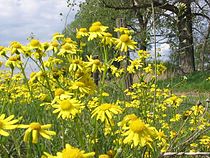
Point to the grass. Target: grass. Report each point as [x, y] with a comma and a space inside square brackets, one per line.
[192, 83]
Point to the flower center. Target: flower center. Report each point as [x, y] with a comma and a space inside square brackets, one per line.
[105, 106]
[94, 28]
[137, 126]
[76, 61]
[34, 43]
[68, 40]
[66, 105]
[1, 124]
[16, 45]
[35, 126]
[96, 23]
[59, 91]
[96, 62]
[124, 38]
[83, 30]
[67, 46]
[55, 44]
[71, 153]
[14, 58]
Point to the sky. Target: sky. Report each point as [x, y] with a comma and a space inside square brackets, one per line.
[21, 18]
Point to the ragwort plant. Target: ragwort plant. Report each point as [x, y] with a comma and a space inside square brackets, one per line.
[67, 112]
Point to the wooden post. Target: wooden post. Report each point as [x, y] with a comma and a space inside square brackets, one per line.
[96, 74]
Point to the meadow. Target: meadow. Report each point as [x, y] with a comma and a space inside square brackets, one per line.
[78, 106]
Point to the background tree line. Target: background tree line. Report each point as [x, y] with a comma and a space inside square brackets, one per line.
[184, 24]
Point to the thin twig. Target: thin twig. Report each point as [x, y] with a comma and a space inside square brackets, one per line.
[172, 154]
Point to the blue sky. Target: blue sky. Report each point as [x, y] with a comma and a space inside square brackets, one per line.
[20, 18]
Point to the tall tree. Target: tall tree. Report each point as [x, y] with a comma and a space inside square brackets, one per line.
[179, 17]
[182, 10]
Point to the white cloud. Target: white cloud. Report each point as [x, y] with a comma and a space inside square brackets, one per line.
[21, 17]
[163, 51]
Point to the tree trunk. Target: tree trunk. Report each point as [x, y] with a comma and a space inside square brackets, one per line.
[203, 49]
[143, 30]
[186, 48]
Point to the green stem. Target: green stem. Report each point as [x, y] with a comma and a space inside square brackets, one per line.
[26, 82]
[28, 148]
[46, 78]
[80, 135]
[7, 97]
[17, 146]
[95, 136]
[63, 133]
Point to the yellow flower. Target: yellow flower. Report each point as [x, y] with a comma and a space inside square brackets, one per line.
[173, 101]
[59, 91]
[7, 124]
[81, 32]
[77, 85]
[125, 42]
[3, 50]
[134, 65]
[148, 69]
[69, 40]
[96, 30]
[161, 136]
[36, 129]
[105, 94]
[68, 108]
[126, 120]
[94, 102]
[143, 54]
[89, 83]
[68, 48]
[197, 109]
[139, 133]
[107, 39]
[115, 71]
[51, 61]
[76, 63]
[106, 111]
[123, 30]
[175, 118]
[71, 152]
[94, 64]
[104, 156]
[54, 45]
[35, 44]
[173, 134]
[16, 48]
[160, 68]
[57, 36]
[120, 58]
[47, 155]
[14, 61]
[205, 140]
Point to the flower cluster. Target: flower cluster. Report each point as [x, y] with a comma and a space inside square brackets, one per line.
[76, 85]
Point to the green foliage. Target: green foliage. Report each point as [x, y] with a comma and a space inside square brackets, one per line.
[195, 82]
[91, 11]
